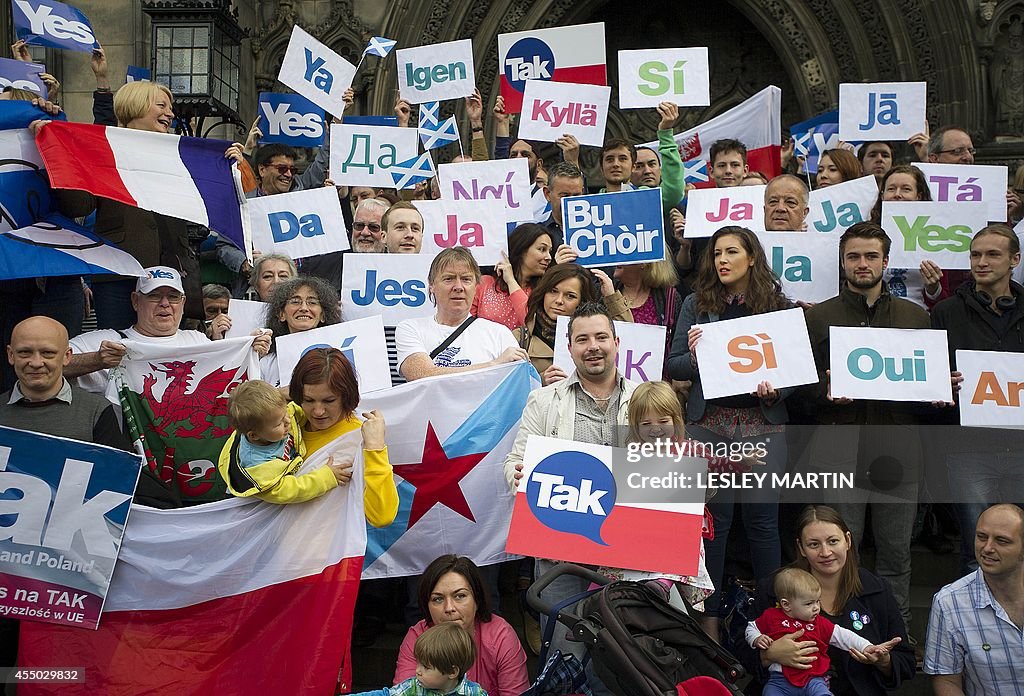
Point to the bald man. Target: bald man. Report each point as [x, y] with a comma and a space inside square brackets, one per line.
[785, 204]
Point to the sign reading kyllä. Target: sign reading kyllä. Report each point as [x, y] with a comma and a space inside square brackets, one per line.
[619, 228]
[552, 109]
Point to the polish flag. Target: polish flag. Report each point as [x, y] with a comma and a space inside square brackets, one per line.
[757, 123]
[181, 177]
[236, 596]
[561, 54]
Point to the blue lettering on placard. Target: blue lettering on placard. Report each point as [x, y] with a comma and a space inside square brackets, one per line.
[286, 226]
[572, 492]
[528, 59]
[796, 269]
[389, 292]
[844, 216]
[886, 117]
[316, 74]
[911, 369]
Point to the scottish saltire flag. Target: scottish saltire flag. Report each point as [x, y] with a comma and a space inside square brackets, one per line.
[379, 46]
[448, 463]
[181, 177]
[695, 171]
[175, 402]
[814, 136]
[429, 115]
[233, 597]
[137, 74]
[447, 132]
[412, 171]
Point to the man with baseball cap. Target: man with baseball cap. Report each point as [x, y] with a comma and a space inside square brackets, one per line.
[159, 301]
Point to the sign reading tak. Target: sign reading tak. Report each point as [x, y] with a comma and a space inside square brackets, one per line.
[649, 77]
[436, 72]
[615, 228]
[941, 232]
[889, 364]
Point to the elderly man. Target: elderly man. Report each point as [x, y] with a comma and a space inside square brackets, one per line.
[158, 301]
[785, 204]
[367, 231]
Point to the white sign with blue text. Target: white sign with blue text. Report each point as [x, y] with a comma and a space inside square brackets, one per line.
[477, 225]
[926, 230]
[299, 224]
[361, 341]
[807, 264]
[968, 183]
[641, 356]
[436, 72]
[316, 72]
[834, 208]
[889, 364]
[651, 76]
[364, 155]
[881, 110]
[290, 119]
[391, 285]
[54, 24]
[615, 229]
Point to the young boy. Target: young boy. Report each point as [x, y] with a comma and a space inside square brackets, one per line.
[799, 595]
[444, 653]
[262, 455]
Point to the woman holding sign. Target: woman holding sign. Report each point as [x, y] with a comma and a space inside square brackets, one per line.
[734, 281]
[502, 297]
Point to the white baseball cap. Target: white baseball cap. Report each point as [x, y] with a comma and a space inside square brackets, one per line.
[159, 277]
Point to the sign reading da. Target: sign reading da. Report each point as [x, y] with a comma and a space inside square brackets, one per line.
[54, 24]
[889, 364]
[552, 109]
[291, 119]
[364, 155]
[299, 223]
[436, 72]
[316, 72]
[990, 395]
[652, 76]
[66, 506]
[391, 285]
[615, 229]
[940, 232]
[709, 209]
[881, 110]
[641, 356]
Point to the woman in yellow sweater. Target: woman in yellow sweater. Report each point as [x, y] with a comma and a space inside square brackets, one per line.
[324, 385]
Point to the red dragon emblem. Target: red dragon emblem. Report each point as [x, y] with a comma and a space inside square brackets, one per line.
[198, 407]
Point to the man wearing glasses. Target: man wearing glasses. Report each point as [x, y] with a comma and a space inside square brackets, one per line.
[367, 234]
[159, 301]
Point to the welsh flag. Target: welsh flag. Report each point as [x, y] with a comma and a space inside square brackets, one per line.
[756, 122]
[233, 597]
[175, 402]
[447, 441]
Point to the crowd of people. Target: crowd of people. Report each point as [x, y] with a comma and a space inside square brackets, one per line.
[507, 313]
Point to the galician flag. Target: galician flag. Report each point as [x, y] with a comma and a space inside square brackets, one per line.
[175, 401]
[447, 441]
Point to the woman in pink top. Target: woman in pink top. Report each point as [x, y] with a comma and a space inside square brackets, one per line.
[502, 297]
[451, 589]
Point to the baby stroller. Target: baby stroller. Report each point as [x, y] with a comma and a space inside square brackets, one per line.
[639, 643]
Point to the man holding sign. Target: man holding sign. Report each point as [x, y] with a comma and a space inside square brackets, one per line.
[890, 457]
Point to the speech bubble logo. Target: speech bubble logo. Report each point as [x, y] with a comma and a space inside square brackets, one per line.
[528, 58]
[572, 492]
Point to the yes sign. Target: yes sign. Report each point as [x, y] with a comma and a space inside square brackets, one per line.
[53, 24]
[940, 232]
[391, 285]
[889, 364]
[436, 72]
[291, 119]
[649, 77]
[300, 223]
[316, 72]
[615, 228]
[21, 75]
[477, 225]
[881, 111]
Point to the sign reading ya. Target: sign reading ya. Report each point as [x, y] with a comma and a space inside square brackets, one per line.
[941, 232]
[507, 181]
[649, 77]
[968, 183]
[361, 341]
[641, 355]
[738, 354]
[615, 228]
[300, 223]
[807, 264]
[477, 225]
[990, 395]
[835, 208]
[291, 119]
[54, 24]
[710, 209]
[391, 285]
[552, 109]
[436, 72]
[881, 111]
[316, 72]
[364, 155]
[889, 364]
[21, 75]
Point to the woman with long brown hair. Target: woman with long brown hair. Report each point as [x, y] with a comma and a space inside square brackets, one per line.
[734, 281]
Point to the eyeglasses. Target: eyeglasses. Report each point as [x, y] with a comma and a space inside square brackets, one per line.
[284, 168]
[171, 297]
[359, 226]
[299, 301]
[958, 151]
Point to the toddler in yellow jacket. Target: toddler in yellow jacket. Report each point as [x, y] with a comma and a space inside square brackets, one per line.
[262, 455]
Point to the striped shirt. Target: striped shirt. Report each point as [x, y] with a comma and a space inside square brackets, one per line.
[970, 634]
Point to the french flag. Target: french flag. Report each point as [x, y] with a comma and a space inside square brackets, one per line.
[181, 177]
[236, 596]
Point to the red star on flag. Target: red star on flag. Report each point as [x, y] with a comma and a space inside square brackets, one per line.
[437, 478]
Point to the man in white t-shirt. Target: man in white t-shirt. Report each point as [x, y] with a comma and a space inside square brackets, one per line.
[159, 300]
[452, 280]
